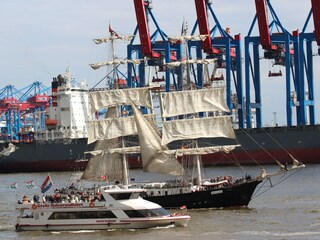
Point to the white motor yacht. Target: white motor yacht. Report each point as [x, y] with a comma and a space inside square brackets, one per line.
[111, 208]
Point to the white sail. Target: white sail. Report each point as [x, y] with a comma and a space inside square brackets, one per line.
[193, 101]
[104, 166]
[154, 159]
[194, 125]
[155, 155]
[209, 127]
[104, 99]
[110, 128]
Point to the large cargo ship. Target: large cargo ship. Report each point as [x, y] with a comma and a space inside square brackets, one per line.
[62, 145]
[61, 142]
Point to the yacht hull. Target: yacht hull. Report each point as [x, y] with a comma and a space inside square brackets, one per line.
[98, 224]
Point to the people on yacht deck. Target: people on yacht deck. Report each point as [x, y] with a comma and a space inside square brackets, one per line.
[25, 199]
[36, 198]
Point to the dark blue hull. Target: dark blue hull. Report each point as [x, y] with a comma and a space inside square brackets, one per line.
[237, 195]
[44, 157]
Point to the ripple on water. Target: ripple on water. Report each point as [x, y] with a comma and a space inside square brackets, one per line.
[280, 234]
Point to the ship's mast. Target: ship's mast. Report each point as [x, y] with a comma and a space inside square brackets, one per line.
[125, 167]
[184, 33]
[198, 166]
[114, 78]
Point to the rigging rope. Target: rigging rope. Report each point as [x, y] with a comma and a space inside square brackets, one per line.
[255, 195]
[264, 148]
[253, 159]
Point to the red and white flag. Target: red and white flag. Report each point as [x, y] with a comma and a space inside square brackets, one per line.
[112, 31]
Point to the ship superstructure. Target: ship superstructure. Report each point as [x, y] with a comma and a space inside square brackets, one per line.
[67, 118]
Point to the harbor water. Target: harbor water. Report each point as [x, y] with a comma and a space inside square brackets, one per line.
[289, 210]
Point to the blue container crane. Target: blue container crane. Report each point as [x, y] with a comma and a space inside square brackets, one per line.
[275, 41]
[37, 95]
[33, 89]
[9, 105]
[9, 91]
[219, 45]
[20, 110]
[158, 52]
[306, 61]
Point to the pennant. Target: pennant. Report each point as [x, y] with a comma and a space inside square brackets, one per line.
[47, 184]
[30, 184]
[13, 186]
[112, 31]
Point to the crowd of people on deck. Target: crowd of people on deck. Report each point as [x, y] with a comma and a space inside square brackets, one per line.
[65, 195]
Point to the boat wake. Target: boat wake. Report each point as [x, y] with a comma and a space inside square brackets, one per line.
[280, 234]
[6, 227]
[315, 224]
[80, 231]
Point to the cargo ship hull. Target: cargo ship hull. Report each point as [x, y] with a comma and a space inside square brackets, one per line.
[259, 146]
[265, 145]
[43, 157]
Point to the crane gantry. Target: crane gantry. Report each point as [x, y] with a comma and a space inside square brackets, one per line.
[279, 46]
[306, 40]
[156, 52]
[225, 49]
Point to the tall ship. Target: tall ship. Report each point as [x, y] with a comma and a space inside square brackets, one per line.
[130, 112]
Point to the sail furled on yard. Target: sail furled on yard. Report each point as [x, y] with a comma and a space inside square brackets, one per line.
[154, 158]
[201, 150]
[193, 101]
[175, 39]
[96, 66]
[112, 38]
[175, 64]
[104, 99]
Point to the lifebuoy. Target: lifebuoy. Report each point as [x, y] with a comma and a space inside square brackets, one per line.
[34, 206]
[91, 204]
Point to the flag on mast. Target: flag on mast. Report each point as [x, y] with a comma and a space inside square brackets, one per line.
[112, 32]
[47, 184]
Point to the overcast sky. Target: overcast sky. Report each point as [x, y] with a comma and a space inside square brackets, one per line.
[40, 39]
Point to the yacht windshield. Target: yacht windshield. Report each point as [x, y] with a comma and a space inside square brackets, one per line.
[147, 213]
